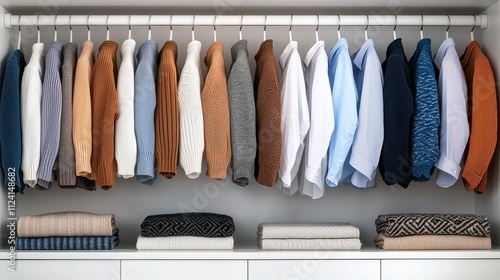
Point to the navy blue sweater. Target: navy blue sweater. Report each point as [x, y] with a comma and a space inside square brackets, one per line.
[10, 121]
[395, 164]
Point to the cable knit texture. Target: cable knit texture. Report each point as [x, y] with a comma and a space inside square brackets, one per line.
[66, 156]
[82, 110]
[191, 116]
[167, 112]
[10, 121]
[268, 105]
[126, 146]
[51, 114]
[104, 114]
[215, 104]
[483, 117]
[242, 115]
[31, 106]
[145, 104]
[425, 125]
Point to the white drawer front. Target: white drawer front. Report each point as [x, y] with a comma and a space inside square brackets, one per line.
[63, 270]
[314, 269]
[485, 269]
[184, 270]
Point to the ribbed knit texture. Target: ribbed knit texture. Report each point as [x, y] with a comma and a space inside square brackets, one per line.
[268, 105]
[10, 121]
[104, 114]
[167, 112]
[51, 114]
[242, 115]
[66, 156]
[126, 145]
[425, 124]
[483, 117]
[395, 166]
[82, 110]
[144, 105]
[31, 106]
[191, 116]
[215, 104]
[68, 243]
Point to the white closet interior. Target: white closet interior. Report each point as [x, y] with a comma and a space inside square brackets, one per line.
[131, 201]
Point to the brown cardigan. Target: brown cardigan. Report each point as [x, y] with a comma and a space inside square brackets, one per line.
[104, 114]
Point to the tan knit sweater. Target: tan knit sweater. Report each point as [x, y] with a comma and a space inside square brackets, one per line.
[104, 114]
[268, 105]
[215, 104]
[483, 117]
[167, 112]
[82, 110]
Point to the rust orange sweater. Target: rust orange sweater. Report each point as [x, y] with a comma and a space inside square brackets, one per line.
[167, 112]
[268, 106]
[215, 104]
[104, 114]
[482, 117]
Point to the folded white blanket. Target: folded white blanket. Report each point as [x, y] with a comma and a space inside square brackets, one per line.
[66, 224]
[310, 244]
[307, 230]
[185, 243]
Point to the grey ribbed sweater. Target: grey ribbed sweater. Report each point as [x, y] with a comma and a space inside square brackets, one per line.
[51, 114]
[242, 114]
[66, 157]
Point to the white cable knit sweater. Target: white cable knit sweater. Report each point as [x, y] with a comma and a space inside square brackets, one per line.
[31, 104]
[192, 141]
[125, 142]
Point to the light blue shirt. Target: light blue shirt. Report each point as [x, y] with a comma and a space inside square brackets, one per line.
[360, 169]
[344, 97]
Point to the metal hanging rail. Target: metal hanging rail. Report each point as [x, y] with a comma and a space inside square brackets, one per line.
[245, 20]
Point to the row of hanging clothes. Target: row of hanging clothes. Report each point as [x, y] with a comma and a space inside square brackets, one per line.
[330, 118]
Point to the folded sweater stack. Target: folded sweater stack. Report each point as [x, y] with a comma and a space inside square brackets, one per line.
[308, 236]
[433, 232]
[67, 231]
[186, 231]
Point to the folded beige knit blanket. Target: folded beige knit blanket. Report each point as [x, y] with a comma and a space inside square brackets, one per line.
[310, 244]
[66, 224]
[307, 230]
[433, 242]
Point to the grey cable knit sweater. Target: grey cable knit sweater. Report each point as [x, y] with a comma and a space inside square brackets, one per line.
[242, 114]
[51, 114]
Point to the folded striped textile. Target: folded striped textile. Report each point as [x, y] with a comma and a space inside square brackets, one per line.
[307, 230]
[433, 242]
[395, 225]
[310, 244]
[185, 243]
[68, 243]
[188, 224]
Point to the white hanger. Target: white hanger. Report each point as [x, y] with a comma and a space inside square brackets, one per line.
[215, 31]
[422, 28]
[290, 29]
[317, 27]
[149, 27]
[129, 27]
[338, 30]
[395, 26]
[88, 29]
[55, 29]
[171, 31]
[107, 28]
[472, 31]
[265, 26]
[19, 35]
[192, 29]
[70, 30]
[448, 28]
[366, 27]
[241, 26]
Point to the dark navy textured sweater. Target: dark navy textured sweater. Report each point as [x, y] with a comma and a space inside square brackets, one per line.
[395, 164]
[10, 121]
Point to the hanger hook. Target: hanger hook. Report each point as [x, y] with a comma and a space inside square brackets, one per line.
[472, 30]
[171, 30]
[265, 26]
[70, 30]
[241, 27]
[422, 27]
[448, 28]
[366, 27]
[19, 34]
[192, 28]
[395, 26]
[149, 27]
[290, 29]
[317, 28]
[129, 27]
[107, 28]
[215, 30]
[55, 29]
[338, 29]
[88, 28]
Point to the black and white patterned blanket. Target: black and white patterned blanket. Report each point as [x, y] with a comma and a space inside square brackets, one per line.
[395, 225]
[188, 224]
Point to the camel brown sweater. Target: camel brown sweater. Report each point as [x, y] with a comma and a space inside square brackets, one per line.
[167, 112]
[215, 104]
[104, 114]
[482, 117]
[268, 106]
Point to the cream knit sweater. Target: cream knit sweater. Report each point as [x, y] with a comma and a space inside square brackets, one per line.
[31, 105]
[191, 115]
[126, 145]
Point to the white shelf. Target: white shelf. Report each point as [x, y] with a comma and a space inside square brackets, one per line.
[250, 253]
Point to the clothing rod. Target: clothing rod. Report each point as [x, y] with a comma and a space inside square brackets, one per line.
[245, 20]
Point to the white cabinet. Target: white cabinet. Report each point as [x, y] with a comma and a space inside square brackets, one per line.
[63, 270]
[463, 269]
[184, 270]
[314, 269]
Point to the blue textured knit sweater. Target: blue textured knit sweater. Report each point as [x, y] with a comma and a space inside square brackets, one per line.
[10, 120]
[425, 128]
[144, 105]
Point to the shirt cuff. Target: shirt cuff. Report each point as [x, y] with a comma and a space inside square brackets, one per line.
[448, 172]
